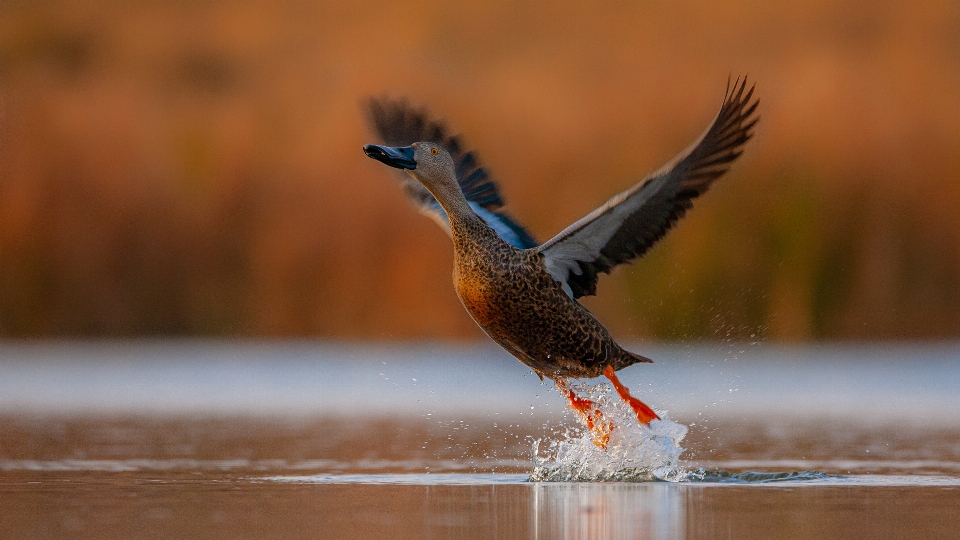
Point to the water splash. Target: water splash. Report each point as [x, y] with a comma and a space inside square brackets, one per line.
[635, 453]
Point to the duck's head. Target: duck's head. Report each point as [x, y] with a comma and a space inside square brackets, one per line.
[428, 162]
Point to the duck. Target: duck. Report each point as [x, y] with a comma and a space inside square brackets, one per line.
[524, 294]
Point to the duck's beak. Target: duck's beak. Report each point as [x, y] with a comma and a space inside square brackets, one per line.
[399, 157]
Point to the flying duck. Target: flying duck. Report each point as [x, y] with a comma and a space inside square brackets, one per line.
[524, 294]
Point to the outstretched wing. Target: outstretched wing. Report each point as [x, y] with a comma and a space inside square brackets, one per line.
[633, 221]
[399, 124]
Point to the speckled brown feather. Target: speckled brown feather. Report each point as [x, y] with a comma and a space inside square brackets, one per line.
[513, 298]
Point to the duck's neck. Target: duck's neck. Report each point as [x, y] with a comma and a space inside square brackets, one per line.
[453, 202]
[466, 227]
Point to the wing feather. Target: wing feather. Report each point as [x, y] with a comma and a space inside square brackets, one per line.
[399, 124]
[632, 222]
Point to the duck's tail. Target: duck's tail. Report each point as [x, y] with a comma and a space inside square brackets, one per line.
[629, 359]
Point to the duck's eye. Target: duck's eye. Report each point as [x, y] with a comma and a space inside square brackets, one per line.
[434, 151]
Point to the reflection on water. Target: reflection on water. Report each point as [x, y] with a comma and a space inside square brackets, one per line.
[590, 510]
[214, 505]
[148, 477]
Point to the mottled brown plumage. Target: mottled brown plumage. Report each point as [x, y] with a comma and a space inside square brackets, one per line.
[525, 299]
[510, 294]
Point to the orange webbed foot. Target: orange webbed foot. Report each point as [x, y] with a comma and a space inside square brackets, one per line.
[644, 413]
[590, 414]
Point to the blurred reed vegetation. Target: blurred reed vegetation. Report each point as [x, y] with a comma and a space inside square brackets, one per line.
[173, 167]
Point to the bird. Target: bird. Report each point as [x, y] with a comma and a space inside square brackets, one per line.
[523, 294]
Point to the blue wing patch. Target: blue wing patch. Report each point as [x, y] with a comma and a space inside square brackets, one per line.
[505, 228]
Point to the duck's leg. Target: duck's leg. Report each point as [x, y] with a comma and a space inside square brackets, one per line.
[644, 413]
[588, 411]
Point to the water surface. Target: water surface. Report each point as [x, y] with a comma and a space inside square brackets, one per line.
[308, 440]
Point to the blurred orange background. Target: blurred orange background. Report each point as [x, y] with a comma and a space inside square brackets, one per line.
[194, 168]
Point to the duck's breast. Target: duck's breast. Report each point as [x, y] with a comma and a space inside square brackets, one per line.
[485, 276]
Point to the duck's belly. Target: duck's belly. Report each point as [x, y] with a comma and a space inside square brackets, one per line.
[536, 322]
